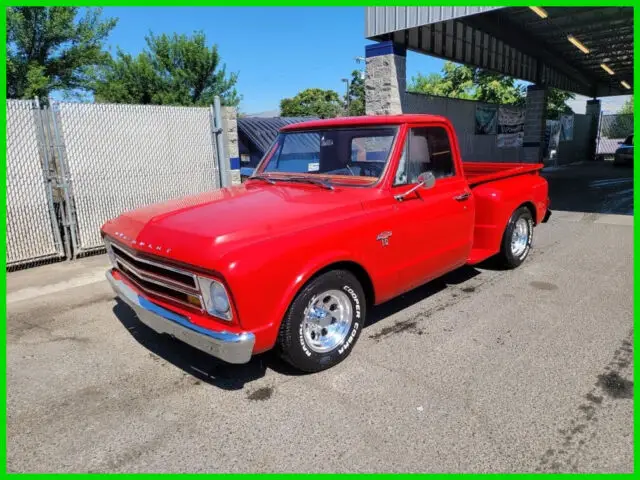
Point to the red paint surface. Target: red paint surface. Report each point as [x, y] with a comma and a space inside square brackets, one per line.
[265, 241]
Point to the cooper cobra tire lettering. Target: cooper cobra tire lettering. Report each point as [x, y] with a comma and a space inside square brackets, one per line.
[349, 341]
[355, 298]
[303, 343]
[292, 339]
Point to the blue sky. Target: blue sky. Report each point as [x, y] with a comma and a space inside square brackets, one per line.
[277, 52]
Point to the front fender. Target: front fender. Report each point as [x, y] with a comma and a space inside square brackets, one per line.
[264, 287]
[306, 273]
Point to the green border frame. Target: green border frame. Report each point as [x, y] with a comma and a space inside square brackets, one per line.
[289, 3]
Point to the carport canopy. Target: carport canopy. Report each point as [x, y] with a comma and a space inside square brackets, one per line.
[584, 50]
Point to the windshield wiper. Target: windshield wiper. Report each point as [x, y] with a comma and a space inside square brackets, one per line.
[270, 181]
[321, 183]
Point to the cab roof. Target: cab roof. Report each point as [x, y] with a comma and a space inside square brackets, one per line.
[363, 121]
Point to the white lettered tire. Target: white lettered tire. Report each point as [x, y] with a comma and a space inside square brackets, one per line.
[323, 322]
[517, 238]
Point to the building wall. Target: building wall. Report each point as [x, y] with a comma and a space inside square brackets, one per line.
[247, 148]
[534, 124]
[581, 147]
[461, 113]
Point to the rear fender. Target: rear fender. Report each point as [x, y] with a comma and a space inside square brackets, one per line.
[496, 202]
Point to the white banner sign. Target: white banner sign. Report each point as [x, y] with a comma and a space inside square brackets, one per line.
[509, 140]
[566, 129]
[510, 127]
[510, 120]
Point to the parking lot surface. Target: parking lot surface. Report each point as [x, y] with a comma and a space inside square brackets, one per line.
[482, 371]
[592, 187]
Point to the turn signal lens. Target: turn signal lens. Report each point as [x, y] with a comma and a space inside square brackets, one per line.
[195, 301]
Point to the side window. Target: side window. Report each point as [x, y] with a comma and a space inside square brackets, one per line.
[427, 149]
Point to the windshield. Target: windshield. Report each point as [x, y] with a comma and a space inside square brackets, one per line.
[359, 154]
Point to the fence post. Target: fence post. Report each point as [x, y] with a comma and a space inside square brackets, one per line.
[598, 135]
[49, 179]
[68, 214]
[223, 166]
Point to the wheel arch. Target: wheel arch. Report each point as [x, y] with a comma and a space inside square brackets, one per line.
[532, 209]
[337, 263]
[356, 269]
[528, 205]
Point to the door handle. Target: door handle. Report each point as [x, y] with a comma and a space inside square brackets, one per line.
[462, 197]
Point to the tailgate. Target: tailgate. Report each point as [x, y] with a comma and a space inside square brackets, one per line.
[481, 172]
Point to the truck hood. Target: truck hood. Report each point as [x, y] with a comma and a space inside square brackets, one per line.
[205, 227]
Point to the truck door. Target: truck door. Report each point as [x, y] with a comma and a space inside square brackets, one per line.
[436, 223]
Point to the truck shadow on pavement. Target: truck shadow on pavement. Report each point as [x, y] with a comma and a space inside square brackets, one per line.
[208, 369]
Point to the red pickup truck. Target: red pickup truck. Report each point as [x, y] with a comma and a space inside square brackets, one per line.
[340, 215]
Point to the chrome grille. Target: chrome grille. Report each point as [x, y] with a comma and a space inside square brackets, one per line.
[157, 278]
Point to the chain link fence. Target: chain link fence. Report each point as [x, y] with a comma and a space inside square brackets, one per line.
[32, 229]
[612, 131]
[120, 157]
[73, 166]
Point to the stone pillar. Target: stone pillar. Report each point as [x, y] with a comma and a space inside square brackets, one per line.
[594, 107]
[386, 78]
[230, 135]
[534, 123]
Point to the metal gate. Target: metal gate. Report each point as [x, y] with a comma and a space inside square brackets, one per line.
[32, 229]
[73, 166]
[612, 130]
[120, 157]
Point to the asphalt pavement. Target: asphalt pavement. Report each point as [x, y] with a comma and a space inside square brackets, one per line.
[482, 371]
[592, 187]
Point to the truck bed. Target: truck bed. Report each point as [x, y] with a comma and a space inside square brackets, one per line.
[481, 172]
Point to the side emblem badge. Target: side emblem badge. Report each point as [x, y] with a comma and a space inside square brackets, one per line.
[384, 238]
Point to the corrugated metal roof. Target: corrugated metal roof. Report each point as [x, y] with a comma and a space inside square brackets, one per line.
[261, 132]
[381, 20]
[514, 41]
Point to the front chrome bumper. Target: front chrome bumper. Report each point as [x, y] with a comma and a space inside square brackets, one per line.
[230, 347]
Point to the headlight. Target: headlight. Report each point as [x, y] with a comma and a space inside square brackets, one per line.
[215, 298]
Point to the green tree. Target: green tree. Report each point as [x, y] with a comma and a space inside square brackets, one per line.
[53, 48]
[312, 102]
[455, 81]
[627, 108]
[495, 88]
[619, 125]
[172, 70]
[356, 100]
[557, 103]
[460, 81]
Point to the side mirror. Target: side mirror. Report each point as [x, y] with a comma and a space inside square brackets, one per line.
[426, 181]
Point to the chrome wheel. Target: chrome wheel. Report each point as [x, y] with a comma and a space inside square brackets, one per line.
[520, 237]
[327, 320]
